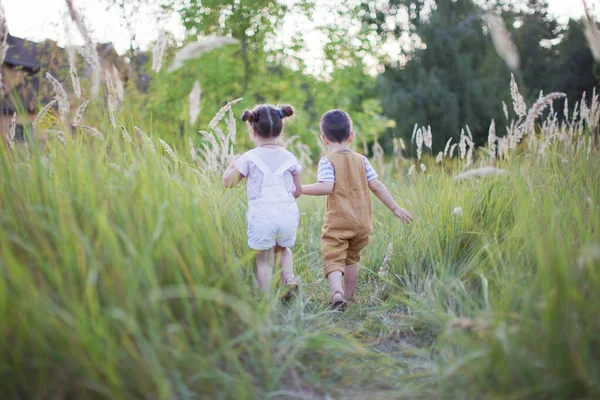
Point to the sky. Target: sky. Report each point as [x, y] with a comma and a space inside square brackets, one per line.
[41, 19]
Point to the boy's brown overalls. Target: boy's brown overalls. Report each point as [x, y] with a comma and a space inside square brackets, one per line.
[348, 216]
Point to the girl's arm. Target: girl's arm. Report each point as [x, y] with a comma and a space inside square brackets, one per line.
[232, 176]
[298, 185]
[384, 195]
[318, 189]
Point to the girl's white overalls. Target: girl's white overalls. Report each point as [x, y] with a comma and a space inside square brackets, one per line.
[273, 218]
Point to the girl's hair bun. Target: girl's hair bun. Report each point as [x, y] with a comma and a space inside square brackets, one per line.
[249, 116]
[286, 111]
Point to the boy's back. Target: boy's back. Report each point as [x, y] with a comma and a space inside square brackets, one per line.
[349, 205]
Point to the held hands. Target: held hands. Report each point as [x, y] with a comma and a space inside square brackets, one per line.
[403, 215]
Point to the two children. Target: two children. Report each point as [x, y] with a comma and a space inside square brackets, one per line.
[345, 177]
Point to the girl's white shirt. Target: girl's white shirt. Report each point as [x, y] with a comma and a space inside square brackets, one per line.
[273, 157]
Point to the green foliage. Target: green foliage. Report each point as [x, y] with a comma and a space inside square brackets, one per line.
[125, 274]
[456, 78]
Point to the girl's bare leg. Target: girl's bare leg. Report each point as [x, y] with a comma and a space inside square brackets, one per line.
[350, 280]
[286, 262]
[265, 261]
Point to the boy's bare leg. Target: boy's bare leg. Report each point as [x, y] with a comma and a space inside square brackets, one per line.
[350, 280]
[265, 260]
[335, 286]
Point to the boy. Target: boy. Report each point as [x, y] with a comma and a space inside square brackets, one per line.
[345, 177]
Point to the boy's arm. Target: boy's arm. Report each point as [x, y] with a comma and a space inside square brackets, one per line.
[232, 176]
[384, 195]
[318, 189]
[325, 180]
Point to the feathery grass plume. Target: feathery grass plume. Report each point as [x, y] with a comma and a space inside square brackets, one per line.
[411, 169]
[503, 147]
[457, 211]
[505, 110]
[423, 167]
[518, 102]
[439, 157]
[427, 137]
[112, 108]
[447, 147]
[492, 139]
[112, 99]
[591, 33]
[231, 128]
[194, 101]
[72, 58]
[89, 50]
[470, 152]
[195, 49]
[93, 132]
[60, 135]
[538, 108]
[119, 89]
[43, 112]
[594, 114]
[158, 51]
[383, 269]
[414, 133]
[452, 148]
[419, 141]
[504, 46]
[79, 113]
[145, 138]
[469, 134]
[463, 144]
[3, 44]
[126, 135]
[479, 173]
[193, 151]
[168, 149]
[61, 98]
[10, 136]
[219, 116]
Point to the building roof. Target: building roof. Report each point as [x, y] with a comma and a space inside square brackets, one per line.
[22, 52]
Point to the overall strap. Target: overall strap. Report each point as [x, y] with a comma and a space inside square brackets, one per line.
[260, 164]
[285, 166]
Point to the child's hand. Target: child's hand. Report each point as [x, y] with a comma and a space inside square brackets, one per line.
[403, 215]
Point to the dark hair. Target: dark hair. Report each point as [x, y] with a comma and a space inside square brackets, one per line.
[336, 125]
[267, 120]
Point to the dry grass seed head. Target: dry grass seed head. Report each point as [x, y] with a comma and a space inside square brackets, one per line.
[195, 49]
[501, 40]
[93, 132]
[61, 98]
[158, 51]
[479, 173]
[43, 112]
[3, 44]
[79, 113]
[194, 102]
[168, 149]
[88, 52]
[518, 102]
[591, 34]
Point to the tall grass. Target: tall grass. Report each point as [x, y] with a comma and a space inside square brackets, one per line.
[124, 271]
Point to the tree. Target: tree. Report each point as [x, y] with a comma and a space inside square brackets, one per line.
[575, 63]
[248, 21]
[454, 79]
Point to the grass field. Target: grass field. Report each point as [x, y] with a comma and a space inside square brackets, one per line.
[124, 273]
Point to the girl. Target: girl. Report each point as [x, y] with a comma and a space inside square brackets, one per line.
[273, 186]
